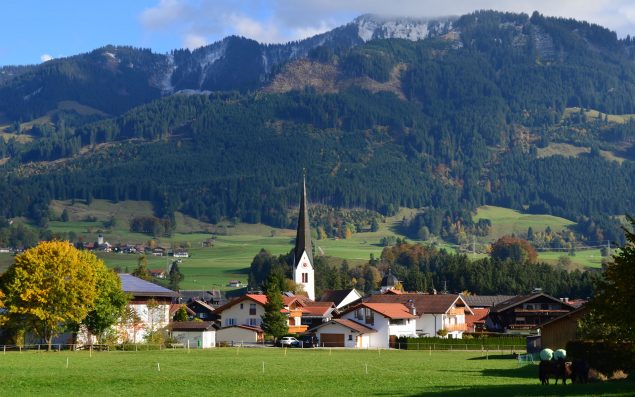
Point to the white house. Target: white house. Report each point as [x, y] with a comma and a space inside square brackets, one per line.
[434, 312]
[341, 332]
[249, 309]
[239, 334]
[194, 334]
[148, 309]
[341, 297]
[387, 319]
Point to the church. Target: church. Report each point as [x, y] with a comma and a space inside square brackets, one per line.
[303, 271]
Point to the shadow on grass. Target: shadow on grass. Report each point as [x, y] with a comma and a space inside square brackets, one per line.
[527, 372]
[495, 357]
[614, 388]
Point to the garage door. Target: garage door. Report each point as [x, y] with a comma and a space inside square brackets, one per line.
[332, 340]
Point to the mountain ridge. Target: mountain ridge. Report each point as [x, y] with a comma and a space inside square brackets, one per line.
[382, 124]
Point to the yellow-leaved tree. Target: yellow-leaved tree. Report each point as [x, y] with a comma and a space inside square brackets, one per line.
[50, 288]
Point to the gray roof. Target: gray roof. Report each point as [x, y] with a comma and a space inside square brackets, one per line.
[303, 236]
[138, 287]
[485, 300]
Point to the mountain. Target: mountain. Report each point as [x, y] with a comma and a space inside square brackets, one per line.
[530, 113]
[115, 79]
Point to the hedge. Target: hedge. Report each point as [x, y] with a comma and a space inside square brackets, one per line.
[604, 356]
[495, 342]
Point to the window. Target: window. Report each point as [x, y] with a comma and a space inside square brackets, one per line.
[230, 321]
[305, 277]
[253, 322]
[529, 306]
[544, 306]
[241, 306]
[252, 309]
[350, 337]
[369, 317]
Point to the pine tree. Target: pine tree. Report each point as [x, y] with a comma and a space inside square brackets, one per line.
[616, 292]
[274, 322]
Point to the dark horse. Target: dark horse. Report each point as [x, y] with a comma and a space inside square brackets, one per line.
[559, 369]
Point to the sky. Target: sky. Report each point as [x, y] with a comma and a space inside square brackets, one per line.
[34, 31]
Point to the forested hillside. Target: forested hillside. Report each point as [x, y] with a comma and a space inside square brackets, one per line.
[460, 119]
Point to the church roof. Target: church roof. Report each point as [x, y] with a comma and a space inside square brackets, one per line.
[303, 236]
[389, 280]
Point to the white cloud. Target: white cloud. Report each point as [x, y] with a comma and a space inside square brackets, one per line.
[45, 57]
[194, 41]
[164, 14]
[274, 21]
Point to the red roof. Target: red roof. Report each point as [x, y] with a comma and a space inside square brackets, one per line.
[317, 308]
[392, 291]
[262, 299]
[393, 311]
[478, 317]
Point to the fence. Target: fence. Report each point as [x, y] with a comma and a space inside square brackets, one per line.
[56, 347]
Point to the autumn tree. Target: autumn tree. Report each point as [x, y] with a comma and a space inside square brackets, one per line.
[615, 292]
[51, 287]
[274, 322]
[181, 314]
[515, 249]
[109, 303]
[142, 270]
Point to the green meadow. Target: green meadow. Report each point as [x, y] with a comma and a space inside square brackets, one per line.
[235, 245]
[279, 372]
[506, 221]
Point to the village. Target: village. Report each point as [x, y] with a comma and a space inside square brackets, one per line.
[346, 318]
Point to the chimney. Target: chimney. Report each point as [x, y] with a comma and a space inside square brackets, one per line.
[411, 307]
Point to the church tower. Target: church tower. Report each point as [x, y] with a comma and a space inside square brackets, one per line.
[303, 272]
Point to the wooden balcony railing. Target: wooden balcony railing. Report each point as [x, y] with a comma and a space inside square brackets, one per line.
[457, 311]
[456, 327]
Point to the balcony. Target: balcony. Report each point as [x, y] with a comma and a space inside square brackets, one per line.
[457, 311]
[541, 312]
[456, 327]
[297, 329]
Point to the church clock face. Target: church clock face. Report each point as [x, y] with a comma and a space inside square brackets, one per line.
[305, 265]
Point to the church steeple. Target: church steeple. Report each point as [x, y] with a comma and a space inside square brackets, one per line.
[303, 273]
[303, 235]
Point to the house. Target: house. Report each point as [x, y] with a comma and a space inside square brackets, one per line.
[341, 297]
[480, 305]
[433, 312]
[316, 313]
[181, 253]
[213, 297]
[389, 320]
[158, 273]
[556, 333]
[340, 332]
[149, 308]
[525, 313]
[202, 310]
[235, 284]
[194, 334]
[239, 334]
[175, 307]
[245, 310]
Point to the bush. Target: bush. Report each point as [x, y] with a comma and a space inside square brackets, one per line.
[606, 357]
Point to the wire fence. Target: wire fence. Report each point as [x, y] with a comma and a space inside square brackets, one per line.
[501, 348]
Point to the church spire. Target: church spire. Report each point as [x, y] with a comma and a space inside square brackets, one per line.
[303, 235]
[303, 271]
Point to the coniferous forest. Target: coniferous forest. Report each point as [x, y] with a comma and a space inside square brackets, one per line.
[458, 121]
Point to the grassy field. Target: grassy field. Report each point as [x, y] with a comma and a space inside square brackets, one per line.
[274, 372]
[236, 245]
[593, 114]
[506, 221]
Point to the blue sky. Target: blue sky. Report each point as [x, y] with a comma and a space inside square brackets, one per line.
[32, 31]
